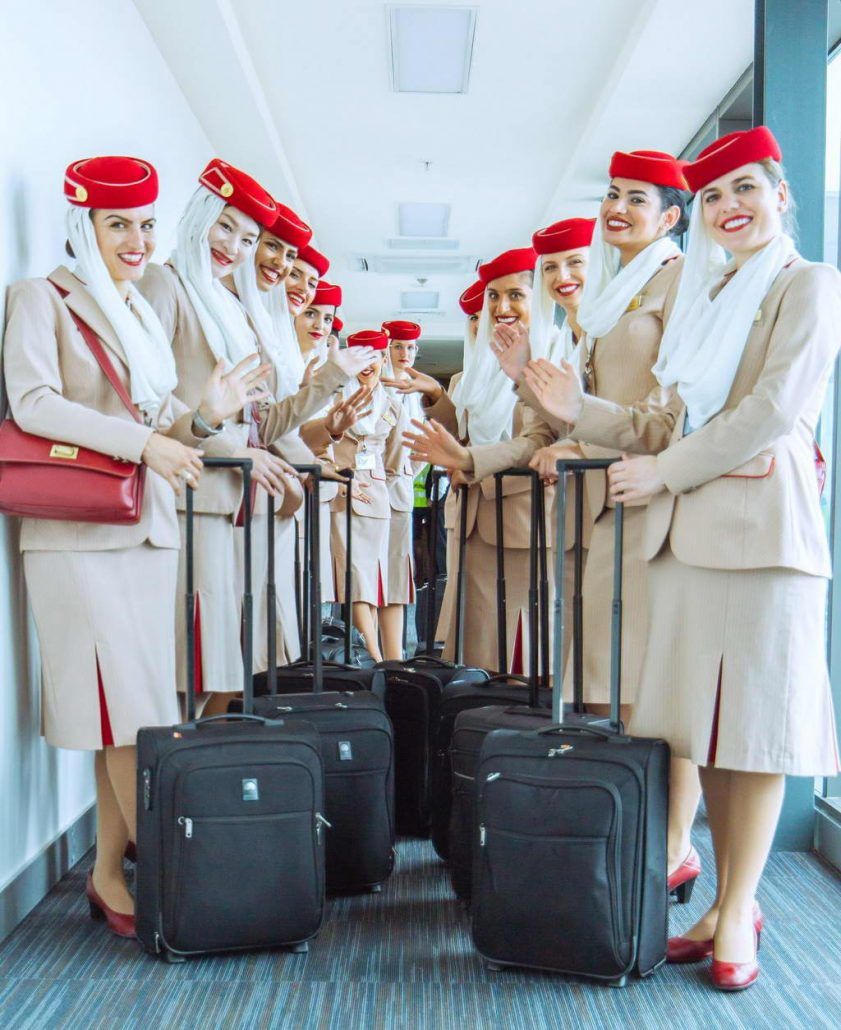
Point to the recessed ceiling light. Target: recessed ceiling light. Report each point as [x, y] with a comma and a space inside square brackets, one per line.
[419, 300]
[423, 219]
[431, 47]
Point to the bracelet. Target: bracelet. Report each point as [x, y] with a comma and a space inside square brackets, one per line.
[206, 429]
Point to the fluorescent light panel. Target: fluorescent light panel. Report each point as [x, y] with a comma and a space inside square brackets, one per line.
[431, 48]
[423, 219]
[419, 300]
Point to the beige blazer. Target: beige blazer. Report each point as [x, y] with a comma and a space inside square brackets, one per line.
[621, 364]
[741, 490]
[529, 434]
[386, 444]
[220, 493]
[57, 390]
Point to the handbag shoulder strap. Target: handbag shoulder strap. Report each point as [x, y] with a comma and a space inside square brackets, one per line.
[98, 351]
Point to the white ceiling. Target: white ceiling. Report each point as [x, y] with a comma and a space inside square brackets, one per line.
[299, 94]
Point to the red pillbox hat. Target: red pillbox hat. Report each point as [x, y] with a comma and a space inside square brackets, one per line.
[568, 234]
[473, 298]
[240, 191]
[730, 152]
[652, 166]
[288, 227]
[315, 259]
[327, 293]
[119, 182]
[368, 338]
[508, 263]
[399, 330]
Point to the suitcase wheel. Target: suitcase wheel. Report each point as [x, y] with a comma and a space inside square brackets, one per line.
[172, 958]
[621, 981]
[300, 948]
[376, 889]
[493, 967]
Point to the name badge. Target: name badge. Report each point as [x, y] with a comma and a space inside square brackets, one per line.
[365, 461]
[389, 418]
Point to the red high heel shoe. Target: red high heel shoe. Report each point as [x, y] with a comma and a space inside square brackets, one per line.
[736, 976]
[120, 923]
[682, 880]
[681, 950]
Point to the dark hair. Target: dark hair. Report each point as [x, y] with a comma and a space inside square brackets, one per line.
[671, 197]
[67, 246]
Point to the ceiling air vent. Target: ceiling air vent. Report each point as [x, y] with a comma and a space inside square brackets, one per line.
[414, 265]
[422, 313]
[416, 243]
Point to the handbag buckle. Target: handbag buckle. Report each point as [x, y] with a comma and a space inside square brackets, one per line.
[64, 450]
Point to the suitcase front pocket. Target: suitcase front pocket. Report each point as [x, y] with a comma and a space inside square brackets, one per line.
[276, 898]
[547, 875]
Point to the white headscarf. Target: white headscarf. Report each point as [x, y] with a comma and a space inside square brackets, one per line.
[270, 316]
[484, 399]
[704, 339]
[222, 319]
[378, 402]
[412, 403]
[547, 340]
[148, 351]
[610, 288]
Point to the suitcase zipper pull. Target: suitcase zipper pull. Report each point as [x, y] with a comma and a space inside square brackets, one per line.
[147, 789]
[483, 836]
[492, 776]
[319, 822]
[187, 824]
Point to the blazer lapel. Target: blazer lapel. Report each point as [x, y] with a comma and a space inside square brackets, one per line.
[80, 301]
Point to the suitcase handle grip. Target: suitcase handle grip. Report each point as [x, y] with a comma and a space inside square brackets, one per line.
[196, 724]
[591, 731]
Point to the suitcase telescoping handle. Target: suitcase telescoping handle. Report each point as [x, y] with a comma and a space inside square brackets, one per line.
[577, 467]
[458, 647]
[435, 476]
[311, 495]
[245, 465]
[538, 588]
[347, 607]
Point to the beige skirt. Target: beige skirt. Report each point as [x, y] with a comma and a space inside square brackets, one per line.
[105, 628]
[218, 590]
[597, 609]
[735, 675]
[369, 558]
[401, 560]
[481, 647]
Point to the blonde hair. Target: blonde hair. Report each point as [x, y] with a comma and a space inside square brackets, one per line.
[775, 174]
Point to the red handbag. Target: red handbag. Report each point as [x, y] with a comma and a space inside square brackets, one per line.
[46, 479]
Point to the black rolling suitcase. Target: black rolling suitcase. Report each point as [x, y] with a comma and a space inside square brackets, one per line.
[345, 664]
[472, 727]
[230, 844]
[413, 693]
[503, 689]
[569, 868]
[356, 745]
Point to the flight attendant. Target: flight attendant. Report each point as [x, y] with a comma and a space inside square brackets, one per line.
[307, 269]
[217, 233]
[478, 415]
[632, 279]
[735, 676]
[400, 591]
[373, 448]
[103, 595]
[313, 335]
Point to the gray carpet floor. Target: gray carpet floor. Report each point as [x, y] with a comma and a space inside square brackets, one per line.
[403, 958]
